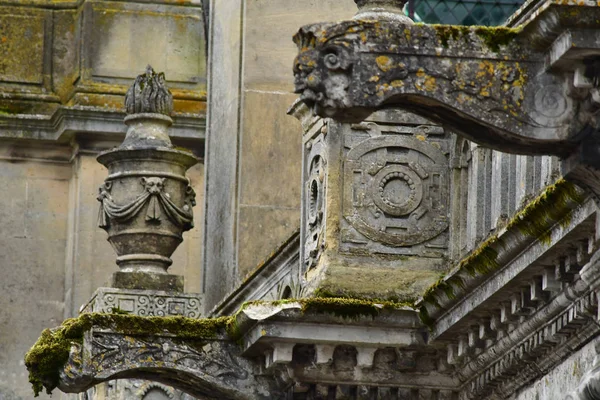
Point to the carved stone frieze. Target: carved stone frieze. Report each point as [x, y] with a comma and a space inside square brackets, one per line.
[145, 302]
[210, 369]
[395, 188]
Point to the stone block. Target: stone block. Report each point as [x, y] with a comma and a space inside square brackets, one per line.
[270, 153]
[269, 25]
[261, 230]
[23, 45]
[120, 39]
[145, 302]
[147, 281]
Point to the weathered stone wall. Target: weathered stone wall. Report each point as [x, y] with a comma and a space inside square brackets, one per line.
[53, 254]
[253, 154]
[65, 68]
[561, 380]
[489, 187]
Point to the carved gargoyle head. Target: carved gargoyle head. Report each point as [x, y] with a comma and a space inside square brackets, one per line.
[322, 71]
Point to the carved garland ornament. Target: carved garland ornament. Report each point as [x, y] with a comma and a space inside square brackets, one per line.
[155, 197]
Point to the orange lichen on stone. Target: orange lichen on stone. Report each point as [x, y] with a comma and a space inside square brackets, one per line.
[384, 63]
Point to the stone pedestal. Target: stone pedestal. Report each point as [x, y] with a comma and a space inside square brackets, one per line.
[375, 205]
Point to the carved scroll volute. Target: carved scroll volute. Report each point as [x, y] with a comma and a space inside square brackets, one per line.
[146, 201]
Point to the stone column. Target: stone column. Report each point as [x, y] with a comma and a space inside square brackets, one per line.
[375, 205]
[145, 206]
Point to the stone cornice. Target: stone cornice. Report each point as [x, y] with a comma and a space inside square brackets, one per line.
[65, 122]
[487, 84]
[483, 265]
[280, 265]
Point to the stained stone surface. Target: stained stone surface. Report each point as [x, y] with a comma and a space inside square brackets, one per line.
[375, 206]
[564, 378]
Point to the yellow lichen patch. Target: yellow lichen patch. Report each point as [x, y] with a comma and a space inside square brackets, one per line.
[397, 83]
[426, 83]
[384, 63]
[462, 98]
[374, 78]
[420, 73]
[430, 84]
[422, 138]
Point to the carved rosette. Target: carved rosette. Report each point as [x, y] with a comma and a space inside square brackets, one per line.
[314, 203]
[395, 189]
[146, 201]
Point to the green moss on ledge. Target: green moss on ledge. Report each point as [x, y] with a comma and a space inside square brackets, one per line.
[535, 220]
[447, 32]
[348, 308]
[50, 353]
[492, 37]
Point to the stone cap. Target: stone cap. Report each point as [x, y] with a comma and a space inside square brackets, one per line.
[149, 94]
[386, 10]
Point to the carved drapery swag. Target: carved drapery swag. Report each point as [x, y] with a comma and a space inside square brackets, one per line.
[156, 198]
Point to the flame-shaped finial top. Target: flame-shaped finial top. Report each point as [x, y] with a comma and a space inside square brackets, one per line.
[149, 94]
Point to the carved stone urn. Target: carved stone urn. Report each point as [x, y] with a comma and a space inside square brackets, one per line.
[146, 201]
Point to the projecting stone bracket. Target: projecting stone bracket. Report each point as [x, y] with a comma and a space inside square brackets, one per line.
[532, 90]
[211, 369]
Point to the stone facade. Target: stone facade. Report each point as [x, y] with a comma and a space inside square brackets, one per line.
[428, 264]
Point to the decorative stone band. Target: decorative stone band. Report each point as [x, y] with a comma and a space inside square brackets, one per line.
[214, 370]
[144, 303]
[156, 199]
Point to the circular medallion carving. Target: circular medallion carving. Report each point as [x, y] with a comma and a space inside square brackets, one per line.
[550, 101]
[397, 190]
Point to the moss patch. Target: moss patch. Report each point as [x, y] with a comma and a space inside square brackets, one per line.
[350, 308]
[534, 220]
[492, 37]
[447, 32]
[50, 353]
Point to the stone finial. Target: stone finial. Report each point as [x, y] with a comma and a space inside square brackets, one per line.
[387, 10]
[149, 94]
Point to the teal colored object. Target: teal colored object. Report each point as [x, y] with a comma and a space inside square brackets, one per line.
[462, 12]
